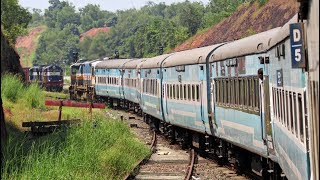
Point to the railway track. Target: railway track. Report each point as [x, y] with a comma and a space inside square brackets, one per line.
[169, 161]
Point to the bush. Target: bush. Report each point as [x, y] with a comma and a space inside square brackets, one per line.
[11, 87]
[13, 90]
[34, 96]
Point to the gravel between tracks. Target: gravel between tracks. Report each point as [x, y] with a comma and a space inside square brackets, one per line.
[204, 169]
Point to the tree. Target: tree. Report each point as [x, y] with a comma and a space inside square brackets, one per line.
[56, 46]
[92, 16]
[14, 19]
[37, 18]
[190, 16]
[67, 15]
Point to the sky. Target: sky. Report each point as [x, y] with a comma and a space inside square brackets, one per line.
[110, 5]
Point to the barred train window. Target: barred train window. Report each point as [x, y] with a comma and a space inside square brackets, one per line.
[288, 108]
[238, 93]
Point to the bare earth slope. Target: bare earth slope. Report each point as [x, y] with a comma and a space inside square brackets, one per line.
[93, 32]
[26, 45]
[249, 19]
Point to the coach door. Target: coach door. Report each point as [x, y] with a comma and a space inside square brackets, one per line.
[265, 109]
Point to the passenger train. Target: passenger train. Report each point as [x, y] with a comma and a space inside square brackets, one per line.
[244, 101]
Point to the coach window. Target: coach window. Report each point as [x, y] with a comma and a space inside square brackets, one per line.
[189, 92]
[198, 92]
[250, 98]
[168, 91]
[227, 91]
[221, 90]
[173, 91]
[148, 85]
[184, 92]
[232, 93]
[296, 114]
[287, 110]
[217, 88]
[256, 92]
[177, 91]
[236, 89]
[193, 92]
[156, 87]
[245, 97]
[241, 92]
[290, 112]
[181, 92]
[151, 86]
[301, 118]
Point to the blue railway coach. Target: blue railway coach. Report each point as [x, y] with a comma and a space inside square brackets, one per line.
[150, 77]
[242, 101]
[287, 87]
[109, 80]
[131, 83]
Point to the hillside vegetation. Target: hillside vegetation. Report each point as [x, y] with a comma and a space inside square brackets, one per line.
[134, 33]
[250, 18]
[145, 32]
[26, 45]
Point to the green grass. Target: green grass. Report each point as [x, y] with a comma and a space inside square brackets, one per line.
[56, 95]
[13, 90]
[104, 149]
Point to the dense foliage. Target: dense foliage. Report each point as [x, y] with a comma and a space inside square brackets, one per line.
[14, 19]
[134, 33]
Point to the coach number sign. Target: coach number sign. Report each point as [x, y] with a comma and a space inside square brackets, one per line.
[297, 46]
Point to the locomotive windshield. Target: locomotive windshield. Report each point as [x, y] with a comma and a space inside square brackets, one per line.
[74, 70]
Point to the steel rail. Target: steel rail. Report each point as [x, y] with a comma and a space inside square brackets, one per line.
[136, 168]
[191, 165]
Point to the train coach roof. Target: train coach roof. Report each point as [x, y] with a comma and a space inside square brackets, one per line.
[111, 63]
[192, 56]
[283, 32]
[250, 45]
[154, 62]
[95, 63]
[133, 64]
